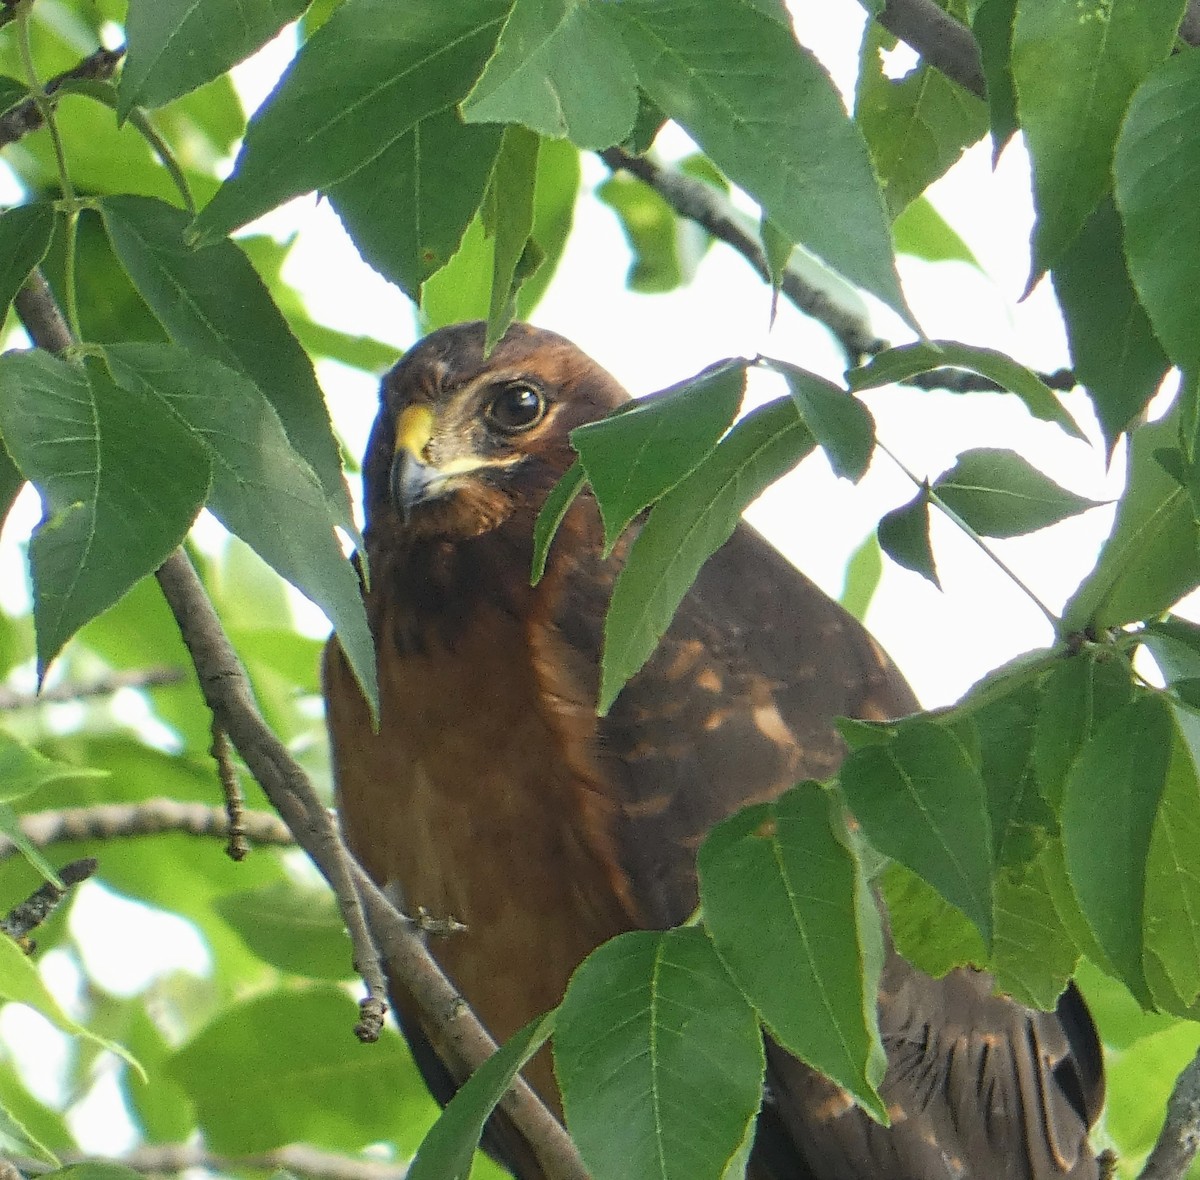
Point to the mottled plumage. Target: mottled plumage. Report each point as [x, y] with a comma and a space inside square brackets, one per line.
[493, 793]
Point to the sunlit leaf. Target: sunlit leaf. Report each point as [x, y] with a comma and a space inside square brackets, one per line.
[787, 904]
[654, 1042]
[508, 219]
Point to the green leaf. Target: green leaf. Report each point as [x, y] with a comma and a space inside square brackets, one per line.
[10, 826]
[916, 127]
[1110, 801]
[508, 217]
[176, 45]
[666, 248]
[213, 302]
[448, 1150]
[841, 424]
[924, 233]
[992, 24]
[927, 930]
[904, 537]
[1152, 557]
[921, 801]
[764, 110]
[1077, 697]
[408, 208]
[560, 69]
[21, 983]
[25, 234]
[896, 365]
[999, 494]
[262, 490]
[23, 770]
[1173, 866]
[789, 910]
[635, 456]
[12, 92]
[551, 515]
[298, 930]
[1113, 347]
[410, 60]
[863, 571]
[777, 249]
[692, 521]
[1075, 69]
[286, 1066]
[1154, 171]
[16, 1140]
[94, 1170]
[121, 484]
[659, 1058]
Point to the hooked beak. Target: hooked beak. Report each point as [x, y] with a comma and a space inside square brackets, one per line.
[412, 481]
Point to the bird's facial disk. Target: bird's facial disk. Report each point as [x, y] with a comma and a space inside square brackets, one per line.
[454, 460]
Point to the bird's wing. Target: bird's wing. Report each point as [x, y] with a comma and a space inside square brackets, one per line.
[736, 705]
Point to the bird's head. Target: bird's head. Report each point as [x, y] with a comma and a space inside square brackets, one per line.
[462, 442]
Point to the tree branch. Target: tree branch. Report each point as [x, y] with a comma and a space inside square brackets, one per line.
[116, 821]
[700, 203]
[942, 41]
[308, 1162]
[102, 686]
[227, 691]
[26, 116]
[1180, 1136]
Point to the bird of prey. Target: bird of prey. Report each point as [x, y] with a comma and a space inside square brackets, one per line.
[494, 793]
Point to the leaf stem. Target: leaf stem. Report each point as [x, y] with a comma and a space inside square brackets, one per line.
[934, 498]
[45, 105]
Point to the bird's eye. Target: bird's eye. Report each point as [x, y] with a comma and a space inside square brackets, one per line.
[515, 408]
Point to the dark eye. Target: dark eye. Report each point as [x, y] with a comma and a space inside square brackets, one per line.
[515, 408]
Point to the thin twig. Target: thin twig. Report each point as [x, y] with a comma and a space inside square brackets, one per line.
[152, 817]
[165, 1159]
[27, 115]
[26, 916]
[1180, 1136]
[702, 204]
[235, 801]
[102, 686]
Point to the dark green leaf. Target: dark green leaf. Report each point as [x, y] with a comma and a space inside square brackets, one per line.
[508, 218]
[842, 425]
[1154, 172]
[1175, 645]
[1110, 801]
[176, 45]
[1173, 866]
[917, 127]
[212, 302]
[410, 61]
[262, 490]
[121, 484]
[1113, 347]
[11, 93]
[1077, 698]
[863, 571]
[298, 930]
[1152, 557]
[1075, 72]
[687, 525]
[659, 1058]
[904, 537]
[992, 24]
[449, 1148]
[646, 126]
[561, 69]
[999, 494]
[898, 364]
[637, 455]
[25, 234]
[924, 233]
[286, 1066]
[11, 483]
[560, 499]
[921, 801]
[408, 208]
[788, 906]
[766, 113]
